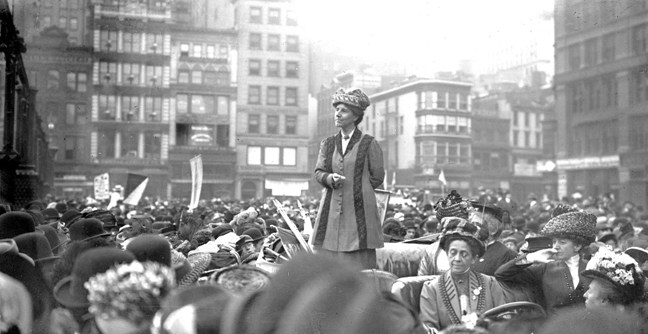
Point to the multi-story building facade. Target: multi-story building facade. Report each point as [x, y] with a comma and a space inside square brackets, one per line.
[203, 97]
[62, 74]
[71, 16]
[491, 149]
[424, 127]
[272, 104]
[601, 98]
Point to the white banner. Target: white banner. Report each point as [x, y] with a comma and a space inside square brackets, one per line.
[196, 180]
[101, 187]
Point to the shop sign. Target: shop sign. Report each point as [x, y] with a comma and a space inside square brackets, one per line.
[588, 162]
[520, 169]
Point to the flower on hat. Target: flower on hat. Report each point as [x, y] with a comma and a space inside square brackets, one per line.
[132, 291]
[619, 267]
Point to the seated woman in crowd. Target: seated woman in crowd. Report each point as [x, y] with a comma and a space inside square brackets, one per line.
[556, 271]
[459, 293]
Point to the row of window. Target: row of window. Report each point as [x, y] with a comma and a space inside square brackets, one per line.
[527, 119]
[443, 100]
[75, 81]
[272, 124]
[63, 4]
[131, 109]
[596, 93]
[131, 42]
[273, 68]
[528, 139]
[205, 77]
[490, 161]
[596, 139]
[203, 51]
[129, 144]
[130, 74]
[202, 135]
[272, 97]
[273, 42]
[581, 15]
[271, 156]
[46, 21]
[442, 152]
[443, 124]
[273, 16]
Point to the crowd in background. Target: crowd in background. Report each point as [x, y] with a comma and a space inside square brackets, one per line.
[77, 266]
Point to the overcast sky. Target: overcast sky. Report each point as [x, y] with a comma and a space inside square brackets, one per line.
[429, 35]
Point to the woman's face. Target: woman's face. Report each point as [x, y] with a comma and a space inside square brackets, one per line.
[595, 296]
[344, 117]
[565, 249]
[460, 257]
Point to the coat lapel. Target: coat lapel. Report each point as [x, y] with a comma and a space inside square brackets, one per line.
[452, 294]
[338, 143]
[353, 140]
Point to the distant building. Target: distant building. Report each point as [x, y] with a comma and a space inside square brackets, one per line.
[71, 16]
[601, 98]
[424, 127]
[272, 106]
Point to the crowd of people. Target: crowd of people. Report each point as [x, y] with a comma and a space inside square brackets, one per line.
[70, 267]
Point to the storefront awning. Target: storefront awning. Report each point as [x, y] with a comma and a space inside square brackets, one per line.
[286, 187]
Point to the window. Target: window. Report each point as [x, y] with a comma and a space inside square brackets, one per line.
[223, 105]
[274, 16]
[538, 139]
[106, 145]
[47, 21]
[463, 102]
[196, 77]
[272, 123]
[130, 74]
[52, 80]
[591, 52]
[254, 155]
[441, 101]
[202, 104]
[453, 101]
[273, 68]
[74, 24]
[74, 4]
[152, 145]
[610, 89]
[516, 141]
[271, 156]
[184, 49]
[254, 67]
[153, 75]
[255, 15]
[255, 41]
[108, 40]
[402, 127]
[130, 108]
[223, 51]
[33, 78]
[132, 42]
[609, 47]
[77, 82]
[154, 43]
[273, 42]
[291, 18]
[639, 86]
[272, 98]
[291, 96]
[574, 57]
[222, 135]
[74, 146]
[253, 123]
[76, 114]
[639, 36]
[291, 125]
[197, 51]
[152, 109]
[129, 144]
[292, 69]
[182, 103]
[107, 72]
[211, 51]
[107, 107]
[254, 95]
[289, 156]
[62, 22]
[527, 117]
[292, 43]
[527, 139]
[183, 76]
[212, 78]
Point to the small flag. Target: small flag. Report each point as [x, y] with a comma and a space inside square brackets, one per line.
[196, 180]
[443, 179]
[135, 186]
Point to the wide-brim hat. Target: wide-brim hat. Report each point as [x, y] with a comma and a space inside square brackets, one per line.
[15, 223]
[104, 216]
[639, 254]
[254, 233]
[36, 246]
[571, 224]
[462, 228]
[70, 291]
[452, 205]
[199, 262]
[537, 243]
[491, 209]
[50, 213]
[9, 246]
[70, 216]
[151, 247]
[617, 269]
[55, 239]
[607, 237]
[241, 279]
[87, 228]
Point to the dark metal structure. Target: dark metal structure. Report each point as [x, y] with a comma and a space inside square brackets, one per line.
[25, 159]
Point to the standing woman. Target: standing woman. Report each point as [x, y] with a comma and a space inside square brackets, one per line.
[349, 167]
[556, 271]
